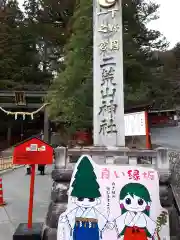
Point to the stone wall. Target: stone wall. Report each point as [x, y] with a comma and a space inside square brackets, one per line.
[61, 180]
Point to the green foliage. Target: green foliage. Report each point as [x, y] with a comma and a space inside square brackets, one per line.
[32, 42]
[85, 175]
[56, 37]
[47, 22]
[166, 85]
[71, 92]
[17, 57]
[10, 43]
[140, 64]
[161, 220]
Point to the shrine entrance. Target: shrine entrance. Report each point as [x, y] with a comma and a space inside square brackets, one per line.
[22, 115]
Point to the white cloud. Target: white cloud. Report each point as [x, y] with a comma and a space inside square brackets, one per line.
[169, 20]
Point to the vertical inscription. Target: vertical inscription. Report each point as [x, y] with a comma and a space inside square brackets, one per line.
[109, 97]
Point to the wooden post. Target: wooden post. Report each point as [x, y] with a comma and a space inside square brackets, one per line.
[108, 74]
[148, 142]
[31, 196]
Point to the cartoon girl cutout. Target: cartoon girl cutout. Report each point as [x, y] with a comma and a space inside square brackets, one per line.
[85, 221]
[134, 222]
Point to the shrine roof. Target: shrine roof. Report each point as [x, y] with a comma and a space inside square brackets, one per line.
[10, 93]
[30, 138]
[138, 108]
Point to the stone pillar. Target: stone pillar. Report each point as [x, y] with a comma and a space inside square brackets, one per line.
[108, 74]
[108, 102]
[61, 177]
[163, 166]
[60, 157]
[46, 125]
[162, 159]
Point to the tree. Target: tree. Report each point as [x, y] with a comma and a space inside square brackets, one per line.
[19, 61]
[84, 175]
[169, 91]
[10, 43]
[71, 92]
[47, 22]
[32, 42]
[39, 73]
[140, 62]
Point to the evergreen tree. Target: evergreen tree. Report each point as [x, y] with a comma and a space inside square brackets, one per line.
[10, 43]
[19, 63]
[38, 72]
[169, 91]
[47, 22]
[140, 64]
[71, 92]
[85, 184]
[31, 44]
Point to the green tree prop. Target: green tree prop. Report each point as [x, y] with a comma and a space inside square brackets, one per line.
[85, 184]
[161, 220]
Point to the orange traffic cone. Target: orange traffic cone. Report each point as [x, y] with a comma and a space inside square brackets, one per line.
[2, 203]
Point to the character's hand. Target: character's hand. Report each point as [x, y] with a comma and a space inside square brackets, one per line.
[110, 225]
[118, 236]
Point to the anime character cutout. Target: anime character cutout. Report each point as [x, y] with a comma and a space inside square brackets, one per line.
[85, 221]
[134, 222]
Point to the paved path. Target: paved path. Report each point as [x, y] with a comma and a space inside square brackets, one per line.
[16, 194]
[167, 137]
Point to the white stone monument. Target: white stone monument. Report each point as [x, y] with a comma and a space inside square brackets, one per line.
[108, 74]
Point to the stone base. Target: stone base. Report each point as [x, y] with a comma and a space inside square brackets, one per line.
[23, 233]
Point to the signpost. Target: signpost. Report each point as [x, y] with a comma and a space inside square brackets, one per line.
[136, 124]
[32, 151]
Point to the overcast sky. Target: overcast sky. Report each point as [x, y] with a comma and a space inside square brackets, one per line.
[168, 24]
[169, 15]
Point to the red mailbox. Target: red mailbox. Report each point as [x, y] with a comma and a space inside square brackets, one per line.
[33, 151]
